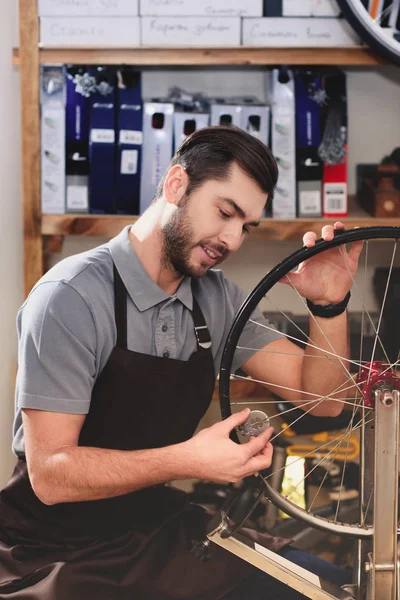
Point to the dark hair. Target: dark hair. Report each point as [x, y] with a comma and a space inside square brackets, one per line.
[209, 153]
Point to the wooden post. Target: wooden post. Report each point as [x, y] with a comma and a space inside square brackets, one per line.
[30, 140]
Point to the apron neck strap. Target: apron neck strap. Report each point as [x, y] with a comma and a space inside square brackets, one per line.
[200, 326]
[120, 310]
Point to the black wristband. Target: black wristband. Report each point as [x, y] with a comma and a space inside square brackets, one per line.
[330, 310]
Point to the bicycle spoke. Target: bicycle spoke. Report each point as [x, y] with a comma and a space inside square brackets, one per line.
[344, 470]
[342, 360]
[328, 470]
[310, 340]
[394, 15]
[284, 412]
[282, 387]
[325, 456]
[280, 352]
[367, 508]
[291, 337]
[354, 285]
[322, 446]
[382, 309]
[379, 18]
[250, 349]
[363, 312]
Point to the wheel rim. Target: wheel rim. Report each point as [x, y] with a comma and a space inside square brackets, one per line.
[361, 529]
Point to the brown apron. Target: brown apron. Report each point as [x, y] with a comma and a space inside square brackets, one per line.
[135, 546]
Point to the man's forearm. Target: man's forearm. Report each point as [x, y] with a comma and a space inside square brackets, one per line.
[79, 473]
[326, 373]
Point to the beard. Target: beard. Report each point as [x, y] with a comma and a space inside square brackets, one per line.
[178, 242]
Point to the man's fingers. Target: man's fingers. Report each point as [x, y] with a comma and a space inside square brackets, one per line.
[309, 239]
[260, 462]
[339, 226]
[257, 444]
[234, 420]
[355, 250]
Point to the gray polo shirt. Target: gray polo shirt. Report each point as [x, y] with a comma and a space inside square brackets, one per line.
[66, 327]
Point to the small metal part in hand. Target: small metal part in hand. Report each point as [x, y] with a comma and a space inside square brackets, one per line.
[200, 549]
[256, 423]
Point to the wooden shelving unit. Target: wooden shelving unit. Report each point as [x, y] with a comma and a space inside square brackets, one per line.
[235, 56]
[269, 229]
[43, 233]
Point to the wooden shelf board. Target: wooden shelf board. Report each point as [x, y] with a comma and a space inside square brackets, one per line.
[238, 55]
[272, 229]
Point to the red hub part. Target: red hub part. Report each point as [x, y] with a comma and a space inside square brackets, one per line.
[375, 375]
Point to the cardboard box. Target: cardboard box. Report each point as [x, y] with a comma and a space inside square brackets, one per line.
[80, 85]
[130, 141]
[157, 147]
[310, 8]
[90, 31]
[297, 32]
[255, 117]
[52, 143]
[186, 123]
[102, 142]
[188, 8]
[309, 166]
[88, 8]
[225, 113]
[190, 31]
[283, 142]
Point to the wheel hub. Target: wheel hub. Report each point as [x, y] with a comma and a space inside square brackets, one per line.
[373, 376]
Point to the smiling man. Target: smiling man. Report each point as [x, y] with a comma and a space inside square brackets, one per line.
[119, 348]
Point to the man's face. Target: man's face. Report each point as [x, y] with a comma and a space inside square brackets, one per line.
[211, 223]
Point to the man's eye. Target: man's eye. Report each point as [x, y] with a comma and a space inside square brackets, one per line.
[246, 229]
[224, 215]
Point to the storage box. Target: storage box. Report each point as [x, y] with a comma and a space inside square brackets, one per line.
[80, 85]
[255, 118]
[157, 147]
[52, 144]
[186, 123]
[310, 8]
[283, 142]
[334, 147]
[87, 8]
[190, 31]
[102, 142]
[130, 141]
[378, 189]
[309, 166]
[90, 31]
[216, 8]
[225, 113]
[297, 32]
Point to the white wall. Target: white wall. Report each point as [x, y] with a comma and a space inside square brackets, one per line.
[374, 130]
[11, 284]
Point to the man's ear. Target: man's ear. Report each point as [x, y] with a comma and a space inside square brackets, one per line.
[175, 184]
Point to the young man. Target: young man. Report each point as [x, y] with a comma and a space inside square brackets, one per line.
[115, 371]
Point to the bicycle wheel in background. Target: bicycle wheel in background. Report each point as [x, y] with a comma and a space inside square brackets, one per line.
[378, 24]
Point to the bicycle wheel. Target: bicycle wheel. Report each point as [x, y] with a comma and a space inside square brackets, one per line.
[377, 22]
[373, 365]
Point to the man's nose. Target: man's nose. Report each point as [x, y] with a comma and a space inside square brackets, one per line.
[232, 237]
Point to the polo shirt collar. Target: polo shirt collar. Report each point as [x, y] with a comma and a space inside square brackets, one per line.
[144, 292]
